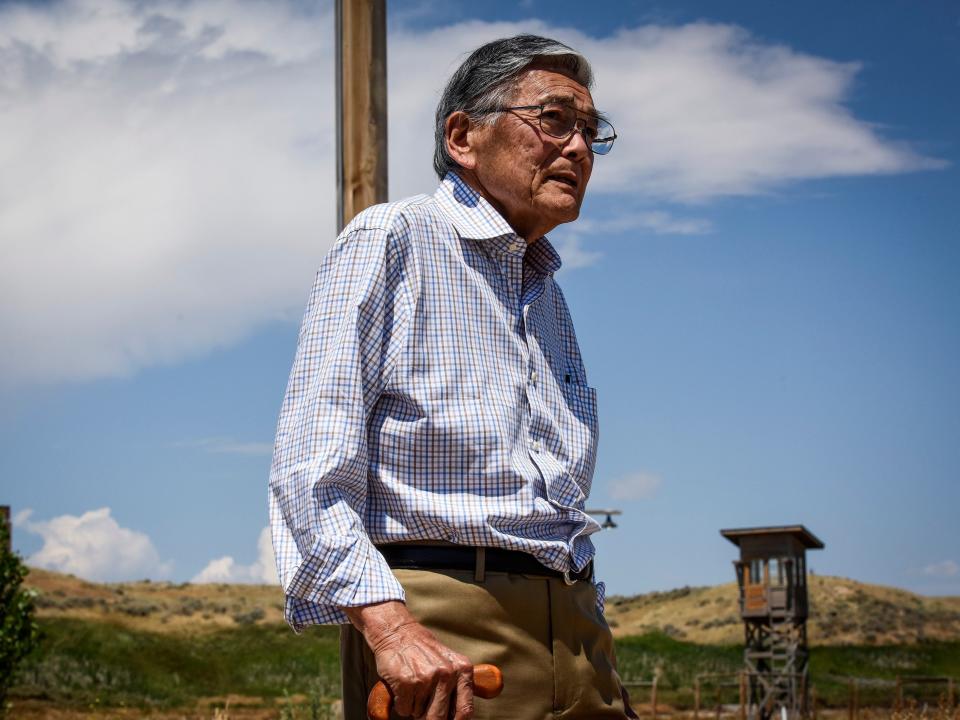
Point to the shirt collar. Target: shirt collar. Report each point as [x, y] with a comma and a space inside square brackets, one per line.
[476, 219]
[471, 214]
[544, 257]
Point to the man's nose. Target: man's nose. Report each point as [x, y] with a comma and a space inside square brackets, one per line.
[575, 146]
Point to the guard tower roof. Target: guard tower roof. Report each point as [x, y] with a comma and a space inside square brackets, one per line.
[804, 536]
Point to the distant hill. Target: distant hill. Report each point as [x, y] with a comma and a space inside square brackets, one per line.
[842, 611]
[156, 606]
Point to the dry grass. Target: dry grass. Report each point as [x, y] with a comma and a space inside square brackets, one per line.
[916, 711]
[842, 612]
[246, 708]
[156, 606]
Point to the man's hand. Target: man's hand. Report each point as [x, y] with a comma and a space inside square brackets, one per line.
[423, 674]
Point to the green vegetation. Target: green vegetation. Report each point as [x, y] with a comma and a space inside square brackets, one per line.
[88, 664]
[18, 629]
[82, 663]
[678, 664]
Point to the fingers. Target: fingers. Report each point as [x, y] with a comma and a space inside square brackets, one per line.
[409, 673]
[454, 689]
[464, 701]
[426, 677]
[439, 707]
[452, 674]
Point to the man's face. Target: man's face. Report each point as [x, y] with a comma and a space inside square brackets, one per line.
[536, 181]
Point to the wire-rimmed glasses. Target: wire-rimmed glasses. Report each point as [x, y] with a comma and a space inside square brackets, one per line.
[560, 121]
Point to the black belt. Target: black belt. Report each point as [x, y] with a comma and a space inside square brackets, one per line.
[476, 559]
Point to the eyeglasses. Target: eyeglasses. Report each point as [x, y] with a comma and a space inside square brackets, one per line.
[560, 121]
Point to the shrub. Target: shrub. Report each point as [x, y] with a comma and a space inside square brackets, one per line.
[137, 608]
[249, 617]
[188, 606]
[18, 628]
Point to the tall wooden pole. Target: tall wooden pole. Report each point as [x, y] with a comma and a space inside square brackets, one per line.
[5, 521]
[361, 106]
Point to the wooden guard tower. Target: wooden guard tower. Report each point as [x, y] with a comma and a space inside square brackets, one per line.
[772, 574]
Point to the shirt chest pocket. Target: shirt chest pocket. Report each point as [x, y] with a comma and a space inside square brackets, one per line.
[581, 403]
[577, 421]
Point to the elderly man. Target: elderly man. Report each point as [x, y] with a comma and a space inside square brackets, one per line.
[437, 440]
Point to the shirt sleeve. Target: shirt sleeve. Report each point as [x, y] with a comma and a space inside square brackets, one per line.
[352, 331]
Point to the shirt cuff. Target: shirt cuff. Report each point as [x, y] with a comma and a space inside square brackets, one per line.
[601, 596]
[349, 574]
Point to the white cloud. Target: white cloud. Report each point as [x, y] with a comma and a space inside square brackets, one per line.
[706, 110]
[636, 486]
[656, 222]
[93, 546]
[570, 239]
[168, 180]
[166, 184]
[574, 254]
[944, 569]
[263, 570]
[703, 110]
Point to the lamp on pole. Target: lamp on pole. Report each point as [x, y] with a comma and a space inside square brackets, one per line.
[608, 523]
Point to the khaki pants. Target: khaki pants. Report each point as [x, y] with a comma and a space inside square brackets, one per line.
[555, 650]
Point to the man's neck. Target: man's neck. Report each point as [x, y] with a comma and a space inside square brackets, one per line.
[471, 179]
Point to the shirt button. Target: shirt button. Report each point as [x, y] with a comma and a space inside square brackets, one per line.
[536, 446]
[533, 377]
[515, 246]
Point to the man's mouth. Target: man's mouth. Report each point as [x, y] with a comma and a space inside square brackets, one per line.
[569, 180]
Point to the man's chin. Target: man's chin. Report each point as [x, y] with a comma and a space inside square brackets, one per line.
[566, 213]
[563, 208]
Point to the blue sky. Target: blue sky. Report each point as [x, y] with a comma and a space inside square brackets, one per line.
[763, 278]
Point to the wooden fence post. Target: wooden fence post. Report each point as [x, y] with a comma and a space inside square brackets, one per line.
[743, 695]
[851, 702]
[696, 699]
[950, 693]
[719, 698]
[653, 696]
[898, 700]
[856, 699]
[804, 697]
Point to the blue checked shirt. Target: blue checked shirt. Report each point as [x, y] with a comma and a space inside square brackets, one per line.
[437, 394]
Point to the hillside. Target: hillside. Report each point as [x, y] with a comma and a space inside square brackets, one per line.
[156, 606]
[843, 611]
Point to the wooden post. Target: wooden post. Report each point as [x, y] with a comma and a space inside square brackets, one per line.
[696, 699]
[719, 699]
[856, 700]
[361, 78]
[898, 701]
[813, 700]
[743, 696]
[653, 696]
[950, 693]
[850, 699]
[5, 522]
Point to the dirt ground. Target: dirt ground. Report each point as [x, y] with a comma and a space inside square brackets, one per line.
[244, 708]
[233, 707]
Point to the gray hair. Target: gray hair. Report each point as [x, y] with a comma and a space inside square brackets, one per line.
[487, 79]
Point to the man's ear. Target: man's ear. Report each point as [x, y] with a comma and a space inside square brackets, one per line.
[461, 136]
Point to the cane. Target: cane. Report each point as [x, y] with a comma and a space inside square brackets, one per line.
[487, 683]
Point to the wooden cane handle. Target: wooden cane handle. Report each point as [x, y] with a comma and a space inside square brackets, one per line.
[487, 683]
